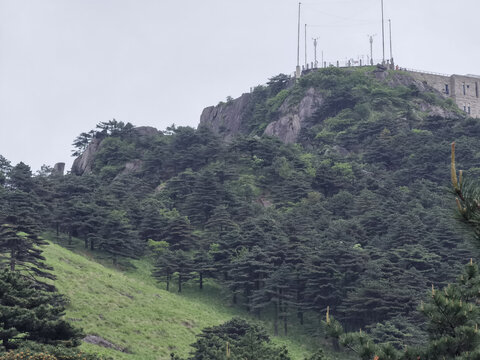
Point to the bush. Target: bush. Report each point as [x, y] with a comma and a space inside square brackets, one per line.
[17, 355]
[38, 352]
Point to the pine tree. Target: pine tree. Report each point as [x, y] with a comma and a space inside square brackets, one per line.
[453, 317]
[20, 178]
[220, 222]
[169, 262]
[225, 246]
[204, 198]
[165, 262]
[278, 292]
[27, 313]
[153, 224]
[118, 237]
[247, 273]
[23, 210]
[236, 340]
[21, 252]
[5, 168]
[179, 233]
[184, 267]
[203, 265]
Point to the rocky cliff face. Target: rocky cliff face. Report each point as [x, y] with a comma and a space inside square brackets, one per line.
[230, 119]
[84, 163]
[292, 119]
[227, 119]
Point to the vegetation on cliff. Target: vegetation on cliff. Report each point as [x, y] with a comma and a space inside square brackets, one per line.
[354, 217]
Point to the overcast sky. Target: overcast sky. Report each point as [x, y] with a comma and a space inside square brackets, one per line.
[66, 65]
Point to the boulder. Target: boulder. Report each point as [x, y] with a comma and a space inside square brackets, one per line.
[59, 169]
[145, 131]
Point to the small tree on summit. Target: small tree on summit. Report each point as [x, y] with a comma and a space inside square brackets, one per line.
[81, 142]
[278, 83]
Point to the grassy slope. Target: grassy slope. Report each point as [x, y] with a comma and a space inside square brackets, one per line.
[130, 310]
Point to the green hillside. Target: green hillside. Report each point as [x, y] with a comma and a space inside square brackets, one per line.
[354, 219]
[130, 311]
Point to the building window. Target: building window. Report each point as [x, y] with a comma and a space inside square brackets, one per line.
[469, 110]
[446, 89]
[476, 89]
[464, 90]
[465, 108]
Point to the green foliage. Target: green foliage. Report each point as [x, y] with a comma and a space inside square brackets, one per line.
[130, 310]
[274, 103]
[240, 212]
[236, 340]
[353, 217]
[114, 152]
[28, 313]
[319, 355]
[35, 351]
[278, 83]
[11, 355]
[21, 252]
[112, 128]
[119, 238]
[5, 168]
[452, 316]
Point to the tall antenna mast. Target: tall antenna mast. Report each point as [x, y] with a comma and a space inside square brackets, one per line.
[306, 62]
[383, 37]
[315, 64]
[371, 48]
[297, 70]
[391, 51]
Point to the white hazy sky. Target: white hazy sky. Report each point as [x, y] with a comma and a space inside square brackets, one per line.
[66, 65]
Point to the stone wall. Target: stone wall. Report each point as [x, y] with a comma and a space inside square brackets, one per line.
[466, 93]
[463, 89]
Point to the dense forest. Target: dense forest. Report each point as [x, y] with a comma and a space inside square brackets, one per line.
[356, 220]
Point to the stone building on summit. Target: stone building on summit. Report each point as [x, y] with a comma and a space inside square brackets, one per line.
[463, 89]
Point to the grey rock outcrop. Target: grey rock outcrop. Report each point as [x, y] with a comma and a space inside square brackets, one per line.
[59, 169]
[436, 111]
[145, 131]
[227, 119]
[83, 164]
[133, 166]
[288, 126]
[98, 340]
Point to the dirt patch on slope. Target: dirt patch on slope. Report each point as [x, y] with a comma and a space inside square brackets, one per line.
[97, 340]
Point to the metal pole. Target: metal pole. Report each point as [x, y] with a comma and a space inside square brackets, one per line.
[390, 30]
[297, 71]
[383, 37]
[306, 64]
[371, 49]
[315, 51]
